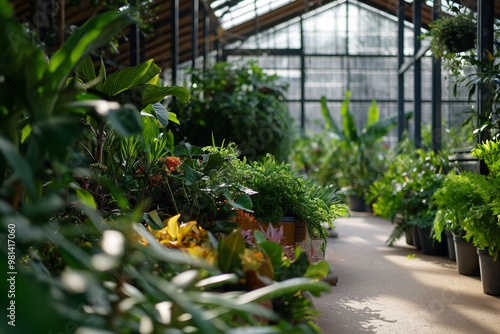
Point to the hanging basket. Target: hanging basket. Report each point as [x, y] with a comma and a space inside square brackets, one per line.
[457, 40]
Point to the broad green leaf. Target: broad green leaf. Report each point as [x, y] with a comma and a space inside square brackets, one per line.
[93, 34]
[377, 130]
[259, 236]
[245, 201]
[215, 161]
[153, 215]
[348, 123]
[187, 150]
[86, 198]
[229, 304]
[25, 133]
[86, 70]
[116, 192]
[187, 304]
[328, 118]
[297, 268]
[173, 118]
[152, 93]
[102, 76]
[229, 252]
[317, 270]
[214, 281]
[42, 207]
[191, 176]
[237, 205]
[275, 254]
[289, 286]
[126, 120]
[55, 135]
[130, 77]
[373, 113]
[162, 115]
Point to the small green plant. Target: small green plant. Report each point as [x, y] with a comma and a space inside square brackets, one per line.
[453, 201]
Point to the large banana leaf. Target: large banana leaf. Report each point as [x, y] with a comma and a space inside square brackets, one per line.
[373, 113]
[350, 131]
[130, 77]
[329, 120]
[376, 130]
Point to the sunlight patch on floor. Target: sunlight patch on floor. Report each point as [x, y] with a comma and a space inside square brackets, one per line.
[353, 239]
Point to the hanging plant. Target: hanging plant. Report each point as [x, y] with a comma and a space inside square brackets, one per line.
[453, 34]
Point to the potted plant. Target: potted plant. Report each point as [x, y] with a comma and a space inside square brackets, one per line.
[483, 225]
[453, 34]
[406, 189]
[240, 104]
[455, 202]
[282, 195]
[354, 158]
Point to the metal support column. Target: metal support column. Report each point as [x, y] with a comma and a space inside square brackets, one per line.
[134, 45]
[175, 40]
[417, 74]
[194, 47]
[302, 78]
[485, 10]
[206, 34]
[436, 90]
[401, 76]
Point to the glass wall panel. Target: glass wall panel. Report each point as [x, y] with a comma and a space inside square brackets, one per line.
[350, 46]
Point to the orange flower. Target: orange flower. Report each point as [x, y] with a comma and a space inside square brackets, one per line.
[172, 163]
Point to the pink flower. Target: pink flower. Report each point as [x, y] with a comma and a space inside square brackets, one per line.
[248, 236]
[275, 235]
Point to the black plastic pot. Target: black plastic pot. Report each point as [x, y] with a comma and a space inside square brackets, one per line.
[490, 273]
[416, 237]
[358, 204]
[410, 240]
[467, 259]
[429, 245]
[451, 245]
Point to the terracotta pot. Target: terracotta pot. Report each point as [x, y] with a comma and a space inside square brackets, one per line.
[288, 224]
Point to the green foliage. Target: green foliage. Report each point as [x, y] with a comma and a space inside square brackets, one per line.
[455, 200]
[348, 157]
[482, 222]
[242, 105]
[449, 31]
[407, 187]
[277, 186]
[83, 258]
[280, 191]
[453, 37]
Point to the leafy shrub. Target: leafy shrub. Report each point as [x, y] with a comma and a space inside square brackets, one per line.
[241, 105]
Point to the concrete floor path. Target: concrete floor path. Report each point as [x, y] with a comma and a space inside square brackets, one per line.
[397, 289]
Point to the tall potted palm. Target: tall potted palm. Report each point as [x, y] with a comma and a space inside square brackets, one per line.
[357, 157]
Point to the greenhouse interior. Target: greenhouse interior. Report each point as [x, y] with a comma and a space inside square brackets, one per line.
[249, 166]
